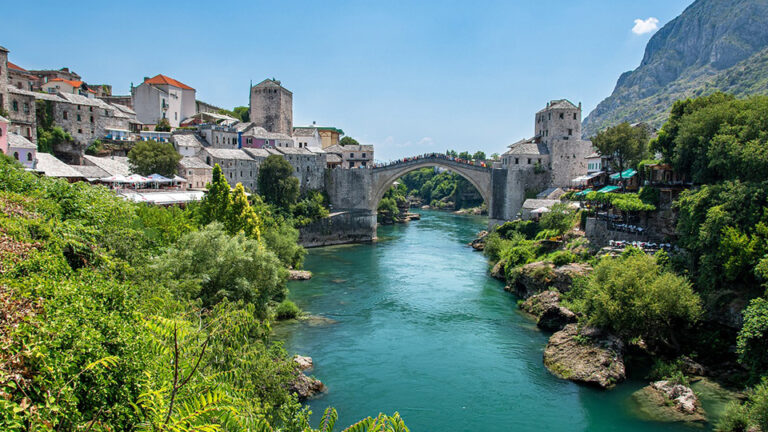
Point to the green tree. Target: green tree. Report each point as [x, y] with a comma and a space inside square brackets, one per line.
[217, 199]
[559, 220]
[276, 182]
[479, 155]
[348, 140]
[213, 266]
[242, 113]
[163, 125]
[634, 296]
[623, 144]
[752, 341]
[152, 157]
[49, 139]
[241, 217]
[283, 241]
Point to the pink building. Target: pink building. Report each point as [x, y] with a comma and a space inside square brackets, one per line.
[23, 150]
[4, 134]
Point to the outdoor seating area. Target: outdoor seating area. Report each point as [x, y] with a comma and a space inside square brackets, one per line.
[650, 247]
[135, 181]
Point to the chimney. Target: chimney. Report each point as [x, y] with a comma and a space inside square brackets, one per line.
[146, 79]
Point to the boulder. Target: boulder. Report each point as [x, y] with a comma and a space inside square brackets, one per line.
[299, 275]
[479, 242]
[555, 318]
[497, 271]
[537, 304]
[589, 356]
[305, 387]
[303, 362]
[668, 402]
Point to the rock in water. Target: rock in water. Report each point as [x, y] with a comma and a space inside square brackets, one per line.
[299, 275]
[303, 362]
[668, 402]
[588, 356]
[306, 387]
[539, 276]
[546, 307]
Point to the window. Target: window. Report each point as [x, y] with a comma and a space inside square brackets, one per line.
[574, 116]
[549, 116]
[78, 117]
[529, 161]
[539, 161]
[90, 109]
[175, 116]
[64, 114]
[106, 113]
[351, 155]
[16, 155]
[363, 155]
[570, 131]
[29, 132]
[561, 115]
[15, 106]
[29, 157]
[517, 161]
[78, 107]
[26, 108]
[91, 119]
[1, 132]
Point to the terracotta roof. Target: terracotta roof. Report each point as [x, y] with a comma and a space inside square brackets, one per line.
[76, 84]
[13, 66]
[164, 80]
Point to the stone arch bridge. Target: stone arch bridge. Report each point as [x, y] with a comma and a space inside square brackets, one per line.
[355, 193]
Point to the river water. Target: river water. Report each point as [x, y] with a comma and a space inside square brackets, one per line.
[416, 325]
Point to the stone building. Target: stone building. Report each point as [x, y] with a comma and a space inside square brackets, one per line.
[308, 167]
[21, 113]
[187, 143]
[197, 173]
[258, 137]
[162, 97]
[22, 150]
[220, 136]
[271, 107]
[4, 76]
[4, 123]
[20, 78]
[353, 156]
[307, 138]
[237, 166]
[43, 76]
[60, 85]
[204, 107]
[329, 135]
[556, 148]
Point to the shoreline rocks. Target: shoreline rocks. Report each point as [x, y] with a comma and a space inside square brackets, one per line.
[478, 243]
[586, 355]
[666, 401]
[545, 306]
[540, 276]
[299, 275]
[305, 386]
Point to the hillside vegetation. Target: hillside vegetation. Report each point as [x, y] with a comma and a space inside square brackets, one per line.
[120, 316]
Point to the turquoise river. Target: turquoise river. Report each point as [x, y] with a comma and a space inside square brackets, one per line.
[415, 325]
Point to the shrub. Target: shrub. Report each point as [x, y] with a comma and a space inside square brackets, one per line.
[528, 229]
[563, 257]
[669, 370]
[750, 415]
[752, 342]
[287, 310]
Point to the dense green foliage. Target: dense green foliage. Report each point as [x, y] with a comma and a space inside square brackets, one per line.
[277, 185]
[748, 416]
[635, 297]
[348, 140]
[313, 206]
[717, 138]
[240, 113]
[152, 157]
[438, 189]
[287, 310]
[559, 220]
[163, 125]
[120, 316]
[624, 145]
[752, 341]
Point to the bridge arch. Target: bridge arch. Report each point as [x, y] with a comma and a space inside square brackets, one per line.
[384, 177]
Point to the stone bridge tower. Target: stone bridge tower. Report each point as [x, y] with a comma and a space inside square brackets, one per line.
[558, 127]
[271, 107]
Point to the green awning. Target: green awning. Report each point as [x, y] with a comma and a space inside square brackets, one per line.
[628, 173]
[608, 189]
[582, 193]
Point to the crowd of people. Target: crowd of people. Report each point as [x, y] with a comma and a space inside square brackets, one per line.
[431, 156]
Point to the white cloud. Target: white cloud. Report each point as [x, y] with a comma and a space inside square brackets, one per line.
[645, 26]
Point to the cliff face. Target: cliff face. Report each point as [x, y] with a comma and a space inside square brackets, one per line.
[713, 45]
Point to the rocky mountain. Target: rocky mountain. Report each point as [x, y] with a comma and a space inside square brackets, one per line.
[713, 45]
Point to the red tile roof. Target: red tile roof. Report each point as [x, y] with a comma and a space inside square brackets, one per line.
[13, 66]
[76, 84]
[162, 79]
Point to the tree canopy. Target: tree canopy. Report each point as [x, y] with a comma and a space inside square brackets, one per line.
[277, 185]
[717, 137]
[622, 144]
[163, 125]
[348, 140]
[152, 157]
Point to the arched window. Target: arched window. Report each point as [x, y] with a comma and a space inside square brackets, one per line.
[16, 155]
[29, 157]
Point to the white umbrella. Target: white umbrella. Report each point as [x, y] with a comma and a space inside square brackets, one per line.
[114, 179]
[135, 178]
[541, 210]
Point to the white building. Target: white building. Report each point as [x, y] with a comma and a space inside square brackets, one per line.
[187, 144]
[162, 97]
[307, 138]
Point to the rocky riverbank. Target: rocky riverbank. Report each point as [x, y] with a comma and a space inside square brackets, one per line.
[305, 386]
[586, 355]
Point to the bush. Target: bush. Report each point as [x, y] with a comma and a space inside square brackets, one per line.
[752, 414]
[282, 240]
[287, 310]
[672, 371]
[559, 220]
[634, 297]
[563, 257]
[752, 342]
[528, 229]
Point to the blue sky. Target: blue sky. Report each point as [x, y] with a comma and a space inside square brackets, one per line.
[407, 76]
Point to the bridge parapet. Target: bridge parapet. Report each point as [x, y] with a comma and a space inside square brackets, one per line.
[437, 158]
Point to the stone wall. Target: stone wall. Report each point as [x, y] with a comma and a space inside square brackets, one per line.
[271, 107]
[339, 228]
[3, 80]
[599, 235]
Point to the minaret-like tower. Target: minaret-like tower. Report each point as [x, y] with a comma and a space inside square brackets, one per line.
[271, 107]
[558, 126]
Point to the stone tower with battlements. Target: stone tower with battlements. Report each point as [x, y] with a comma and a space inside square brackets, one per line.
[558, 127]
[271, 107]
